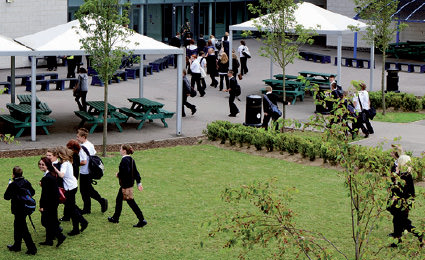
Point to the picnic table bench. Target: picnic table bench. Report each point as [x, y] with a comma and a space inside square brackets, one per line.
[144, 109]
[26, 99]
[410, 66]
[349, 62]
[290, 77]
[293, 92]
[60, 83]
[20, 118]
[315, 57]
[39, 76]
[94, 115]
[43, 82]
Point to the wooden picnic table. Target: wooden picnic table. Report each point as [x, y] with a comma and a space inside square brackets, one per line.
[144, 109]
[290, 77]
[26, 99]
[95, 113]
[20, 118]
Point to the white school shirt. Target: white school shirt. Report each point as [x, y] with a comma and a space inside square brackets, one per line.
[195, 66]
[84, 169]
[242, 48]
[69, 180]
[364, 98]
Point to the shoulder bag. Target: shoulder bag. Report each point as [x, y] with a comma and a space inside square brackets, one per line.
[246, 53]
[363, 114]
[128, 193]
[275, 110]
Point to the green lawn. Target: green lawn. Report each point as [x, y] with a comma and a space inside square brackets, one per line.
[399, 117]
[183, 185]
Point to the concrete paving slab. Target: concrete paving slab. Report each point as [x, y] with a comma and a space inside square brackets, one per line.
[162, 86]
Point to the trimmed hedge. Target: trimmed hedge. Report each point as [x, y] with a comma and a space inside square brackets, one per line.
[371, 158]
[404, 101]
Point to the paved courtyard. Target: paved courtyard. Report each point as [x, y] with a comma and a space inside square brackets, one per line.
[162, 87]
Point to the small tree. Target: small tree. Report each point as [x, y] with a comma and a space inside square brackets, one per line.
[281, 35]
[268, 219]
[381, 28]
[107, 34]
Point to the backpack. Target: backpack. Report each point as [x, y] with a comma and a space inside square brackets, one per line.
[237, 90]
[24, 196]
[95, 166]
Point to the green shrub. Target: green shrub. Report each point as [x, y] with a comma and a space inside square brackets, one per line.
[375, 99]
[234, 135]
[280, 142]
[410, 103]
[270, 140]
[222, 134]
[259, 139]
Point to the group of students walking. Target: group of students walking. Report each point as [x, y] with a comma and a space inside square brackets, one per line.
[61, 168]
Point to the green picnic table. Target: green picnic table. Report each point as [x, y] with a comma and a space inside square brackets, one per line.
[20, 118]
[95, 114]
[26, 99]
[287, 77]
[293, 89]
[144, 109]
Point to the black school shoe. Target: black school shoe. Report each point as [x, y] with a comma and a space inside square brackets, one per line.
[13, 248]
[46, 243]
[113, 220]
[31, 251]
[141, 224]
[60, 240]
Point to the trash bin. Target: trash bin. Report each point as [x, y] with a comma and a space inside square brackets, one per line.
[253, 110]
[392, 80]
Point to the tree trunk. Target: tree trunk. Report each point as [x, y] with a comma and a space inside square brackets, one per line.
[383, 81]
[284, 94]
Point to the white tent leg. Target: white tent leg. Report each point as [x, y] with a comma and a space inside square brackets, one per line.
[179, 94]
[230, 49]
[372, 64]
[339, 55]
[33, 98]
[141, 71]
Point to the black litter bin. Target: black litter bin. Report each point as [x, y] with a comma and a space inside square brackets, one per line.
[392, 80]
[253, 110]
[321, 95]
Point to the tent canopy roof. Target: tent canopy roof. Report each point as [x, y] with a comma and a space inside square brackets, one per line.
[64, 40]
[313, 17]
[9, 47]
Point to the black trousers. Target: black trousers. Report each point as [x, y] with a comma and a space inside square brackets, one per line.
[52, 63]
[187, 104]
[21, 231]
[71, 209]
[71, 68]
[83, 105]
[233, 108]
[196, 78]
[214, 82]
[131, 203]
[367, 123]
[244, 68]
[88, 192]
[49, 220]
[224, 76]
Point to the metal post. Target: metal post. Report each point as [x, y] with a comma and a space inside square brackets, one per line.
[372, 65]
[33, 98]
[230, 48]
[12, 79]
[355, 46]
[210, 19]
[339, 54]
[271, 67]
[179, 94]
[141, 17]
[141, 71]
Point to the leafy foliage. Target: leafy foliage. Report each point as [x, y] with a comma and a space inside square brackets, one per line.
[281, 35]
[107, 36]
[268, 220]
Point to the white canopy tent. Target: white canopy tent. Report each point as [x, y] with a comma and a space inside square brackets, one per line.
[64, 40]
[8, 47]
[322, 21]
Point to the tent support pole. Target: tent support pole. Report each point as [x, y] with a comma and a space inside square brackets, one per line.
[141, 71]
[179, 94]
[230, 49]
[271, 67]
[372, 65]
[12, 79]
[355, 45]
[339, 54]
[33, 98]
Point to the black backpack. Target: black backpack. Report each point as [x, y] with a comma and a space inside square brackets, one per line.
[237, 90]
[29, 203]
[95, 166]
